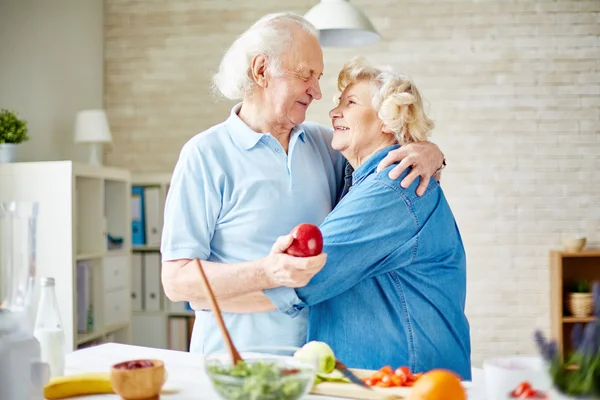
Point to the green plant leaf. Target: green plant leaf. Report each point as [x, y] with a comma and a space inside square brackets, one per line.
[12, 129]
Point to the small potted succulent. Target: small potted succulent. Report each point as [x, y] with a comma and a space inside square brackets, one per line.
[577, 375]
[579, 300]
[12, 132]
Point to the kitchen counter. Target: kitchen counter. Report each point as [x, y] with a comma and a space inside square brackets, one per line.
[186, 377]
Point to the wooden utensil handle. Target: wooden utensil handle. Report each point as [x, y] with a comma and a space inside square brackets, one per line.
[217, 313]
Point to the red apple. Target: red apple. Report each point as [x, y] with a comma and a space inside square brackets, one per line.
[308, 241]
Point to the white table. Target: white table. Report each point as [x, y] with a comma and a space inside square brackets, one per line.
[185, 371]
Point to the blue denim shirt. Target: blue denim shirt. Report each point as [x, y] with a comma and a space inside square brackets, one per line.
[394, 286]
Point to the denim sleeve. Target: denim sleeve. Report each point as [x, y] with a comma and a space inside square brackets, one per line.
[360, 235]
[191, 209]
[368, 225]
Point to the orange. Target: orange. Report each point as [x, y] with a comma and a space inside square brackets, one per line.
[438, 384]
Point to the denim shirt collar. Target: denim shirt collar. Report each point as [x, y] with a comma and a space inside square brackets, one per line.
[244, 136]
[370, 165]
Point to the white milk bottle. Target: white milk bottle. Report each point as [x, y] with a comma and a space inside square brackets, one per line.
[48, 329]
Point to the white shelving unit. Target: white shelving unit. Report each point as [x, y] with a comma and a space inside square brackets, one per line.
[157, 322]
[79, 206]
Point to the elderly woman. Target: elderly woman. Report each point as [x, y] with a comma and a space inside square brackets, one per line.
[392, 291]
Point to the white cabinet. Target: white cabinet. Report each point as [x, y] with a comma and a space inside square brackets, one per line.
[157, 321]
[84, 217]
[149, 330]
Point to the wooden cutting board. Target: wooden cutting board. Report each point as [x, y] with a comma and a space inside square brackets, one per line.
[353, 391]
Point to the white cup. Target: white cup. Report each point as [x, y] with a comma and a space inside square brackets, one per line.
[504, 374]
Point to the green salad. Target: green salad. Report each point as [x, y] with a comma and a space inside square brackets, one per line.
[262, 381]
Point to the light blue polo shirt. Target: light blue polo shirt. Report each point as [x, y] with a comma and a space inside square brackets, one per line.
[232, 193]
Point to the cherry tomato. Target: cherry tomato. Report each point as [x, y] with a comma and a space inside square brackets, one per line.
[521, 388]
[385, 382]
[368, 382]
[528, 393]
[397, 380]
[386, 370]
[403, 372]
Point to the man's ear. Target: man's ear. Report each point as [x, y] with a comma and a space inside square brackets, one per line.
[258, 69]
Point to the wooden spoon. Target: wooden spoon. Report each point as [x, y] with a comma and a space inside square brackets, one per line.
[235, 355]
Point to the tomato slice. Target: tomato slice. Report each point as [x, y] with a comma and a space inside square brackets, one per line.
[521, 388]
[403, 372]
[397, 380]
[528, 393]
[384, 384]
[386, 369]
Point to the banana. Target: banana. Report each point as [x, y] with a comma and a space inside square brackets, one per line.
[64, 387]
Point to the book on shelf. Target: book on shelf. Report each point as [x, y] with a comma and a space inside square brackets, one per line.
[145, 216]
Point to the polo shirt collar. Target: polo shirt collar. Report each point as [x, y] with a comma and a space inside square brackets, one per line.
[244, 136]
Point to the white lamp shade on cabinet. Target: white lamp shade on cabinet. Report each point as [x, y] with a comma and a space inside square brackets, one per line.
[91, 126]
[341, 24]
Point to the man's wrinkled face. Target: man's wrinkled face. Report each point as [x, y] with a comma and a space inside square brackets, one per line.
[290, 93]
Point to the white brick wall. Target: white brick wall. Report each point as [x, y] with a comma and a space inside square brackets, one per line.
[513, 86]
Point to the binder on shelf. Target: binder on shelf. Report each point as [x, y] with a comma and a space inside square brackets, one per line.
[190, 326]
[136, 282]
[152, 287]
[152, 216]
[178, 334]
[84, 307]
[138, 230]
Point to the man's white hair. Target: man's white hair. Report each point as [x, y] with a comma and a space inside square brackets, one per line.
[271, 35]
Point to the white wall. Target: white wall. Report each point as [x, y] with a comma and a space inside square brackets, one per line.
[513, 87]
[51, 65]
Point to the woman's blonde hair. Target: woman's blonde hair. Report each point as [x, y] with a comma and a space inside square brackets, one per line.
[395, 97]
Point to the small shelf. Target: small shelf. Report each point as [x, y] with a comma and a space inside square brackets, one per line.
[145, 248]
[88, 256]
[188, 313]
[116, 327]
[578, 254]
[117, 252]
[574, 320]
[88, 337]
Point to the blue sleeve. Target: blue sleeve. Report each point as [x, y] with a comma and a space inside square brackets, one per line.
[360, 235]
[191, 208]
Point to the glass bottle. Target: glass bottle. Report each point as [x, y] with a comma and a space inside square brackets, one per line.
[48, 329]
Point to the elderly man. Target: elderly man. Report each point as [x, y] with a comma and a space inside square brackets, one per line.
[241, 184]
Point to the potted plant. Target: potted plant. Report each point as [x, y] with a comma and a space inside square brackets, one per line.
[576, 376]
[579, 300]
[12, 132]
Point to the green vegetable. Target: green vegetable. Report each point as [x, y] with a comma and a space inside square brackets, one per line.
[333, 376]
[324, 357]
[320, 352]
[262, 381]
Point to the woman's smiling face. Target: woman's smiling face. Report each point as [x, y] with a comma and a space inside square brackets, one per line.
[358, 131]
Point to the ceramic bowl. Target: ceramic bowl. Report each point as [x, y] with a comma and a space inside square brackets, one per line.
[574, 244]
[138, 379]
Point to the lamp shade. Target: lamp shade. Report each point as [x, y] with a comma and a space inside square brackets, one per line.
[341, 24]
[91, 126]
